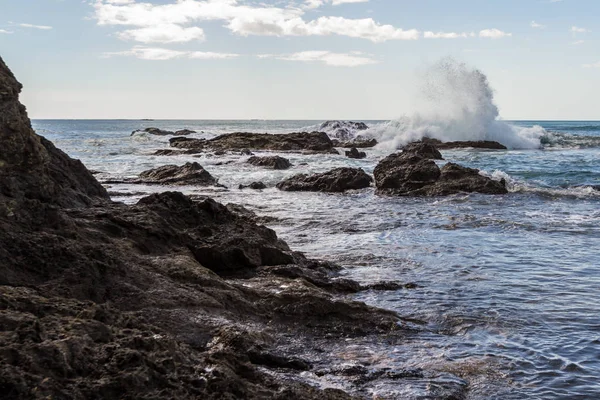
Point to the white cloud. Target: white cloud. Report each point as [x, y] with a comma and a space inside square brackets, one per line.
[5, 31]
[244, 20]
[493, 34]
[446, 35]
[318, 3]
[576, 29]
[596, 65]
[353, 59]
[168, 33]
[578, 42]
[43, 27]
[160, 54]
[535, 25]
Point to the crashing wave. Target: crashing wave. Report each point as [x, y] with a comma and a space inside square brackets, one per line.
[343, 130]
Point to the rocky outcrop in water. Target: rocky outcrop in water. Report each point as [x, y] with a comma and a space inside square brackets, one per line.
[167, 298]
[190, 173]
[295, 142]
[336, 180]
[359, 143]
[412, 174]
[163, 132]
[475, 144]
[423, 149]
[254, 185]
[354, 153]
[271, 162]
[184, 132]
[344, 130]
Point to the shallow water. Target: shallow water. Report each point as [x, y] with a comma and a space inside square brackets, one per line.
[508, 286]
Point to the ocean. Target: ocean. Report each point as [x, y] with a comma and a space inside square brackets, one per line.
[507, 290]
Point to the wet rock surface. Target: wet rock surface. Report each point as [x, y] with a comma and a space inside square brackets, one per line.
[423, 149]
[476, 144]
[238, 141]
[154, 131]
[413, 173]
[187, 174]
[271, 162]
[354, 153]
[254, 185]
[336, 180]
[359, 143]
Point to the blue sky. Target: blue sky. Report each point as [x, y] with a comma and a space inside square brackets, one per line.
[295, 59]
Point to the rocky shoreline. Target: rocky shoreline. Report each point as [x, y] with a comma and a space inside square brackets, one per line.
[180, 297]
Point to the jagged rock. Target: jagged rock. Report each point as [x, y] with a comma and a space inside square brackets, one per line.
[359, 143]
[299, 141]
[254, 185]
[153, 131]
[354, 153]
[273, 162]
[476, 144]
[410, 174]
[336, 180]
[187, 174]
[342, 129]
[423, 149]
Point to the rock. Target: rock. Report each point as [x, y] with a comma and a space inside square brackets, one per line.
[336, 180]
[354, 153]
[342, 129]
[153, 131]
[358, 142]
[410, 174]
[254, 185]
[478, 144]
[273, 162]
[423, 149]
[187, 174]
[246, 152]
[297, 142]
[184, 132]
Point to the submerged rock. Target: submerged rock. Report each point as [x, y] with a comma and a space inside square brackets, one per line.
[273, 162]
[190, 173]
[476, 144]
[153, 131]
[410, 174]
[336, 180]
[254, 185]
[354, 153]
[239, 141]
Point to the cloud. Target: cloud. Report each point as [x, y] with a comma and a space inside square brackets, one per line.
[596, 65]
[446, 35]
[493, 34]
[353, 59]
[576, 29]
[318, 3]
[43, 27]
[5, 32]
[535, 25]
[244, 20]
[160, 54]
[168, 33]
[578, 42]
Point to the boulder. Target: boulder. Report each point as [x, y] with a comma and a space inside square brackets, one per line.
[354, 153]
[190, 173]
[273, 162]
[358, 142]
[410, 174]
[336, 180]
[254, 185]
[342, 129]
[423, 149]
[153, 131]
[184, 132]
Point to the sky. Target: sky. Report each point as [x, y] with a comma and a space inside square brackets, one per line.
[296, 59]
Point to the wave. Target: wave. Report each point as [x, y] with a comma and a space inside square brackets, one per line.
[458, 105]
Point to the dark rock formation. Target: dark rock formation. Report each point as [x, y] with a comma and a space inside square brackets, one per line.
[354, 153]
[153, 131]
[167, 298]
[273, 162]
[477, 144]
[410, 174]
[184, 132]
[238, 141]
[359, 143]
[336, 180]
[342, 129]
[254, 185]
[423, 149]
[188, 174]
